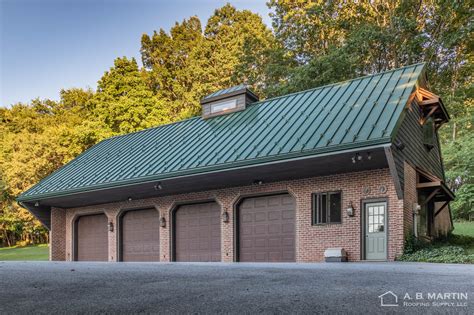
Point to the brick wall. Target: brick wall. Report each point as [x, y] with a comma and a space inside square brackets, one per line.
[311, 241]
[58, 239]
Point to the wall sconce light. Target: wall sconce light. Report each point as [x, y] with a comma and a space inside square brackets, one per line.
[225, 216]
[37, 204]
[129, 199]
[110, 226]
[158, 186]
[258, 182]
[356, 158]
[350, 210]
[162, 222]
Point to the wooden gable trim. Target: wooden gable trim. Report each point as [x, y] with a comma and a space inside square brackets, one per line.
[428, 185]
[435, 183]
[429, 176]
[431, 106]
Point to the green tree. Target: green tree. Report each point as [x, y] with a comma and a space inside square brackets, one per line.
[187, 63]
[174, 62]
[123, 103]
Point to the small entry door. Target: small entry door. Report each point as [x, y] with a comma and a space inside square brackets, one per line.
[376, 231]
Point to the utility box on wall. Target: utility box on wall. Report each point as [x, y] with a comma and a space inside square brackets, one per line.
[335, 255]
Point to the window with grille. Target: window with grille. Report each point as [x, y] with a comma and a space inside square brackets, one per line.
[327, 207]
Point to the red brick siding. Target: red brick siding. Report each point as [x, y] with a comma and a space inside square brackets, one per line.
[57, 249]
[311, 241]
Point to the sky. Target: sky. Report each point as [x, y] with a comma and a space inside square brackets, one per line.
[47, 45]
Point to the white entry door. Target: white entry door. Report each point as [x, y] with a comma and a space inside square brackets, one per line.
[376, 231]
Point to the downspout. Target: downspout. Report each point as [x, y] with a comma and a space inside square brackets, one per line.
[416, 211]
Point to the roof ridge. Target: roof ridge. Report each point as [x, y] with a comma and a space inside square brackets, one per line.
[340, 82]
[271, 99]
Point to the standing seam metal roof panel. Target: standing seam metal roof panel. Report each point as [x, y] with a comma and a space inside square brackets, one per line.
[356, 113]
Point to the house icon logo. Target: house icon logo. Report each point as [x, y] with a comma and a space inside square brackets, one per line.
[388, 299]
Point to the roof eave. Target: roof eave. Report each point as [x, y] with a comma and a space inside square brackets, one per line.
[213, 169]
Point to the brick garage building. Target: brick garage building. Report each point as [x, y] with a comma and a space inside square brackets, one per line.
[354, 165]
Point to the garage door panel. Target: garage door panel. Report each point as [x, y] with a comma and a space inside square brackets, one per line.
[198, 232]
[260, 203]
[260, 229]
[288, 256]
[288, 228]
[274, 242]
[246, 231]
[140, 235]
[288, 200]
[274, 201]
[287, 242]
[260, 217]
[275, 256]
[267, 229]
[260, 242]
[92, 238]
[288, 214]
[274, 229]
[246, 243]
[274, 215]
[246, 217]
[261, 257]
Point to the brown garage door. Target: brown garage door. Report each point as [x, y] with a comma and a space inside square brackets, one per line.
[92, 241]
[267, 229]
[198, 232]
[141, 235]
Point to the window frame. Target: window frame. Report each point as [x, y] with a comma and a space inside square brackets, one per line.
[315, 197]
[429, 133]
[223, 106]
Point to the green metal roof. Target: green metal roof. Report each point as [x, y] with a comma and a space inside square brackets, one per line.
[346, 115]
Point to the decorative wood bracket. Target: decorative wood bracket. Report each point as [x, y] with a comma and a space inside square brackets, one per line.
[431, 106]
[441, 209]
[431, 196]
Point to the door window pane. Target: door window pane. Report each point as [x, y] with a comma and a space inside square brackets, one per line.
[375, 219]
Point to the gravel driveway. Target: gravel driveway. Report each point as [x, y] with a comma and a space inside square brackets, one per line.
[47, 287]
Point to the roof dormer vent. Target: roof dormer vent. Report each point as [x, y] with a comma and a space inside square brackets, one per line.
[227, 101]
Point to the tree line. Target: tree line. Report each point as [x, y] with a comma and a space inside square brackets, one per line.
[308, 44]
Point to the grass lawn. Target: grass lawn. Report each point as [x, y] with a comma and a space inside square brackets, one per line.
[464, 228]
[457, 247]
[33, 252]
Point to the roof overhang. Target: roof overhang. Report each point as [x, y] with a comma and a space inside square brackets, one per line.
[434, 187]
[41, 212]
[304, 167]
[431, 106]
